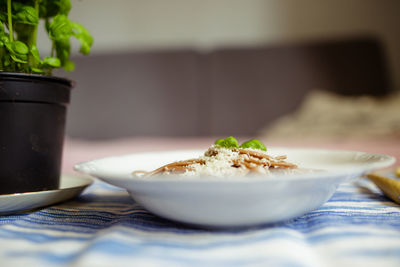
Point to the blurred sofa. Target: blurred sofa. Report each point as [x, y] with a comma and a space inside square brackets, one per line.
[227, 91]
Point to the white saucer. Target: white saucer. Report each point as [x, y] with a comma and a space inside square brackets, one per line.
[70, 186]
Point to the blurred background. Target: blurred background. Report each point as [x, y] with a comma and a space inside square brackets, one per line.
[270, 68]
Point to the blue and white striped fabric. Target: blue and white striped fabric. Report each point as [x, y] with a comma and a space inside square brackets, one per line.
[104, 227]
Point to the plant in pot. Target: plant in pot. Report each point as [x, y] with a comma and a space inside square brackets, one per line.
[32, 102]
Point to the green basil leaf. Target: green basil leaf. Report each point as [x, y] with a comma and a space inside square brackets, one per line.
[219, 142]
[17, 47]
[3, 14]
[18, 51]
[254, 144]
[35, 53]
[50, 8]
[17, 5]
[6, 62]
[65, 6]
[69, 66]
[229, 142]
[83, 36]
[60, 28]
[3, 40]
[19, 58]
[63, 50]
[47, 9]
[27, 15]
[52, 62]
[37, 70]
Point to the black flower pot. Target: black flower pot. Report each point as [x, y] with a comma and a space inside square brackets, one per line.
[32, 123]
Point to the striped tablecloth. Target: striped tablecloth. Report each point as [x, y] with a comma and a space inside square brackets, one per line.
[358, 226]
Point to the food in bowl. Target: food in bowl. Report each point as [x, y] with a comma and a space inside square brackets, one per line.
[225, 158]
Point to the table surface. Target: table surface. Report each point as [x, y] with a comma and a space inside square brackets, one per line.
[358, 226]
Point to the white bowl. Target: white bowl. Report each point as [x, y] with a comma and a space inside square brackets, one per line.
[235, 201]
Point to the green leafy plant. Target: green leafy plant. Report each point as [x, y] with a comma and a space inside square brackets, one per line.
[18, 35]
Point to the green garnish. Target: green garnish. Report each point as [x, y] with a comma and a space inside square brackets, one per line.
[254, 144]
[231, 142]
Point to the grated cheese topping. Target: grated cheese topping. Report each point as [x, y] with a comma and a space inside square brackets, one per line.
[219, 161]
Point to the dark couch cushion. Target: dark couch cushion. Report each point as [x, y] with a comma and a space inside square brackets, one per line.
[231, 91]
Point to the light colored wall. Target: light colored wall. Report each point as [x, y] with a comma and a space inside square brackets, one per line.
[205, 24]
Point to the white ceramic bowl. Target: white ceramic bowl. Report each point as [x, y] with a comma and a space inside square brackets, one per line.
[235, 201]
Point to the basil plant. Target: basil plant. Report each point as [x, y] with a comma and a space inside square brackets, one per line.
[18, 35]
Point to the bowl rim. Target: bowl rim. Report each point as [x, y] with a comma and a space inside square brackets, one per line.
[89, 168]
